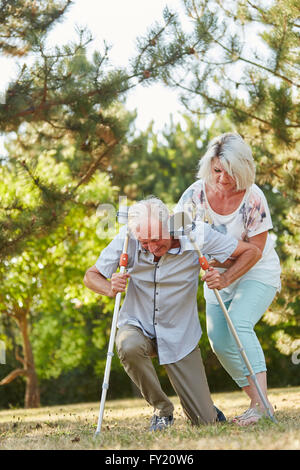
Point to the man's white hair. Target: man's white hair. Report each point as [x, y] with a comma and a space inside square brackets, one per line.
[235, 156]
[143, 212]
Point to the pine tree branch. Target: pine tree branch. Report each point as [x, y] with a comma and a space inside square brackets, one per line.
[244, 59]
[35, 219]
[43, 188]
[153, 40]
[227, 105]
[9, 245]
[23, 22]
[227, 12]
[260, 66]
[93, 167]
[262, 14]
[45, 106]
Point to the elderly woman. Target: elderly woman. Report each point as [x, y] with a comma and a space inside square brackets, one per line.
[226, 197]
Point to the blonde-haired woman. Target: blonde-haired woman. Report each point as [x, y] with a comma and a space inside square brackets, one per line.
[226, 197]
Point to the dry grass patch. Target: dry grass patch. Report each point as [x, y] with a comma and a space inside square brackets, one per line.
[126, 422]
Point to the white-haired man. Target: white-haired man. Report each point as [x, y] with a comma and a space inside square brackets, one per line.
[159, 315]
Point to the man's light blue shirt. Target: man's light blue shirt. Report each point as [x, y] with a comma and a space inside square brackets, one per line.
[161, 297]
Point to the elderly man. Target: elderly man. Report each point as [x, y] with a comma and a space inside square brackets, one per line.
[159, 315]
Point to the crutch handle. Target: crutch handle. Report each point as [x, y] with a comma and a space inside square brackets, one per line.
[124, 259]
[204, 263]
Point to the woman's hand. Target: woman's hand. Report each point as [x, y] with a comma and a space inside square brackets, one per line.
[214, 279]
[118, 283]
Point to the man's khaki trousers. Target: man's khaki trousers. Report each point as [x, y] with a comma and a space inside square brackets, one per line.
[187, 377]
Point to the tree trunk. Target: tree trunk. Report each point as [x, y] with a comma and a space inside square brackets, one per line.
[32, 393]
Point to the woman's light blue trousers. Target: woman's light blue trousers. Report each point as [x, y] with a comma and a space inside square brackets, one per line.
[251, 300]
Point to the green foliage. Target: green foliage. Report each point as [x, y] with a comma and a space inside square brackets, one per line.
[63, 124]
[71, 146]
[24, 21]
[45, 283]
[163, 164]
[256, 82]
[65, 104]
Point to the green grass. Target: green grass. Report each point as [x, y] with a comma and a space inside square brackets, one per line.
[125, 426]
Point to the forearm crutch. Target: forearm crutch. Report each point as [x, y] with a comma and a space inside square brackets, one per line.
[123, 264]
[182, 220]
[205, 265]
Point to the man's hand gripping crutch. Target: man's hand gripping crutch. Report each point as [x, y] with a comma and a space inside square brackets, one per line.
[182, 223]
[118, 286]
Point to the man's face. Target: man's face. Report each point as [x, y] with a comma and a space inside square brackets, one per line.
[154, 237]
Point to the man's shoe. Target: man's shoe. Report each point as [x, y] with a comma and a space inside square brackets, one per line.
[159, 423]
[220, 415]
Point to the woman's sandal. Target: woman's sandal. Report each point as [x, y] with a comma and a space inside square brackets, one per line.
[250, 416]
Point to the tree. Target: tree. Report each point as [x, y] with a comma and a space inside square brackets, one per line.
[163, 164]
[244, 61]
[63, 122]
[63, 95]
[24, 21]
[41, 288]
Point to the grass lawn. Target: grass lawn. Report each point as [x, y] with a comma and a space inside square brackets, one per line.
[125, 426]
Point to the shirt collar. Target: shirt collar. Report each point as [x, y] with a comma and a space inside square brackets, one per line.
[185, 245]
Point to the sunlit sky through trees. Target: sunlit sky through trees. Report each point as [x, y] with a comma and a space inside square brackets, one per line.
[119, 23]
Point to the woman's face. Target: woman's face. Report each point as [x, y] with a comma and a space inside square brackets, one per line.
[221, 179]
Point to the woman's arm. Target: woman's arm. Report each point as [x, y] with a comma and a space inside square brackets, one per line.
[216, 264]
[246, 254]
[258, 240]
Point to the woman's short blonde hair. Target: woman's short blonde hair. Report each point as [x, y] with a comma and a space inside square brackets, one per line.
[235, 156]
